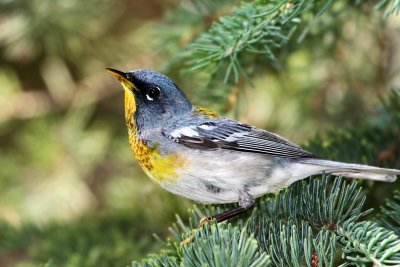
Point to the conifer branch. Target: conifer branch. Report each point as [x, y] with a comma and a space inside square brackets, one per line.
[257, 31]
[390, 214]
[222, 246]
[390, 6]
[367, 242]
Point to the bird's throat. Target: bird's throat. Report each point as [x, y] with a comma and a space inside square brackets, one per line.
[130, 109]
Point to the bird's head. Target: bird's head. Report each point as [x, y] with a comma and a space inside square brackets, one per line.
[151, 98]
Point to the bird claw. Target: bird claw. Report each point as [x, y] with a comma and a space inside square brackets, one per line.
[187, 240]
[203, 220]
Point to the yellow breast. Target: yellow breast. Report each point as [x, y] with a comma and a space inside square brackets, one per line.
[156, 166]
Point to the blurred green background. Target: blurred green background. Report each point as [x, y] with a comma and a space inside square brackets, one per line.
[65, 165]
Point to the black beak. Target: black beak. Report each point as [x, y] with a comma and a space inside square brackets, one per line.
[117, 73]
[122, 77]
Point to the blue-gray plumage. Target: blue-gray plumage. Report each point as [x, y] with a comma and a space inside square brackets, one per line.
[222, 160]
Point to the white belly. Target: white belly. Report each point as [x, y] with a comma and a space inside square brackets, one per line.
[218, 176]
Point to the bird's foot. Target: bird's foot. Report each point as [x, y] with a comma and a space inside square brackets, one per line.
[203, 220]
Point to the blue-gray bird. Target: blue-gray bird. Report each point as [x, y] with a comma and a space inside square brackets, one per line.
[195, 153]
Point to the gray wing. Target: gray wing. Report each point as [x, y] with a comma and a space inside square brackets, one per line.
[232, 135]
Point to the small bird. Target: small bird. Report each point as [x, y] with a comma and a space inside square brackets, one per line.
[195, 153]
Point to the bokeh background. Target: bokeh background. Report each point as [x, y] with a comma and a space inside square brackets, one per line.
[68, 180]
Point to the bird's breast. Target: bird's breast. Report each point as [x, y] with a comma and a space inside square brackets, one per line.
[159, 168]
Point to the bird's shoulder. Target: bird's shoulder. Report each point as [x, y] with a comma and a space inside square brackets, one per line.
[205, 112]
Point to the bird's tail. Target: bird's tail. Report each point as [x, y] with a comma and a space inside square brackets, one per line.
[354, 170]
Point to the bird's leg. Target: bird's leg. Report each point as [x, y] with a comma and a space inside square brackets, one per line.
[245, 203]
[226, 215]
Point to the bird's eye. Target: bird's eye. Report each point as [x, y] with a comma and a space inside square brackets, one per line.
[153, 93]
